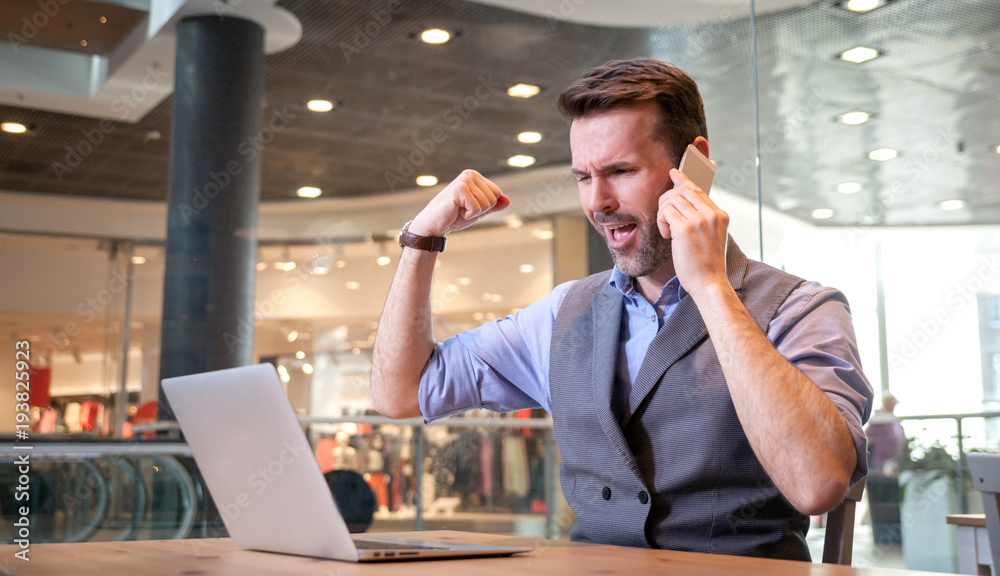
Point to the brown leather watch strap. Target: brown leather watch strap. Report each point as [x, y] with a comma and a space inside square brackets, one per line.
[408, 239]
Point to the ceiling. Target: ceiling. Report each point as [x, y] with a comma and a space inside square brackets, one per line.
[933, 96]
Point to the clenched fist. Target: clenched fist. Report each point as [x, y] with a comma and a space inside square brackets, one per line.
[461, 204]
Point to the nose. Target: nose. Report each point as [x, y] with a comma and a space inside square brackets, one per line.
[599, 197]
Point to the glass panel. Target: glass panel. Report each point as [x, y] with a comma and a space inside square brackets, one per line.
[873, 172]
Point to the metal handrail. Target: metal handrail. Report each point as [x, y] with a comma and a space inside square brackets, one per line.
[962, 469]
[451, 421]
[69, 449]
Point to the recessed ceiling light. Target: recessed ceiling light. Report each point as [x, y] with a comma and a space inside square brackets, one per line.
[849, 187]
[863, 5]
[300, 354]
[319, 105]
[543, 234]
[426, 180]
[383, 260]
[103, 20]
[526, 268]
[854, 118]
[261, 266]
[513, 221]
[307, 368]
[83, 43]
[952, 205]
[286, 266]
[822, 213]
[529, 137]
[293, 336]
[138, 260]
[478, 316]
[13, 127]
[352, 285]
[883, 154]
[464, 281]
[435, 36]
[859, 54]
[321, 264]
[520, 161]
[523, 90]
[308, 192]
[998, 149]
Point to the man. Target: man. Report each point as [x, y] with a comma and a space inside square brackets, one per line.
[701, 401]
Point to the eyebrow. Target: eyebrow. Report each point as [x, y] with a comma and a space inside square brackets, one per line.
[608, 168]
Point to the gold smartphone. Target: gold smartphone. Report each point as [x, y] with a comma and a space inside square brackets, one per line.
[698, 168]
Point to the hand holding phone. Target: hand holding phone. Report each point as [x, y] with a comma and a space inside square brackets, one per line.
[696, 226]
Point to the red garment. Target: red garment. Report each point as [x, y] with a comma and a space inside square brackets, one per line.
[88, 414]
[41, 383]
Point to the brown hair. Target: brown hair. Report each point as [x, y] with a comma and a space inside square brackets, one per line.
[623, 82]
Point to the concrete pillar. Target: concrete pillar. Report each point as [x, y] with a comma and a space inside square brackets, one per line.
[213, 196]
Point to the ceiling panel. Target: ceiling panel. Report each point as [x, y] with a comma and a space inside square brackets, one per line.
[933, 96]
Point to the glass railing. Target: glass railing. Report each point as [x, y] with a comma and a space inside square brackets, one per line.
[105, 490]
[482, 474]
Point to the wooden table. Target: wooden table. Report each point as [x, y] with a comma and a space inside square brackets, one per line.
[972, 542]
[222, 557]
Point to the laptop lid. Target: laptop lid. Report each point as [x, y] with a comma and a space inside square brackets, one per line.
[257, 463]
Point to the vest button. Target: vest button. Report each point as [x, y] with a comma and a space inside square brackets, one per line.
[643, 497]
[606, 493]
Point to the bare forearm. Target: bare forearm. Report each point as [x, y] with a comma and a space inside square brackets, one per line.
[404, 340]
[797, 433]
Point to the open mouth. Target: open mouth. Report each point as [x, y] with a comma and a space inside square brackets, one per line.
[620, 234]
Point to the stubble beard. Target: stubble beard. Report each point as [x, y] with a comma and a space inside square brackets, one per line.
[651, 254]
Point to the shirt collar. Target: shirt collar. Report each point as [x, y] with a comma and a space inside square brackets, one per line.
[626, 285]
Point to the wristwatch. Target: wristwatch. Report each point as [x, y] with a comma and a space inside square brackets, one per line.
[408, 239]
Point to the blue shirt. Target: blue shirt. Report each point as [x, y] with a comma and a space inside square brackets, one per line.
[504, 365]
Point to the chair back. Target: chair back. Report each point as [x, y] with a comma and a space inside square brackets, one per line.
[840, 527]
[353, 497]
[985, 470]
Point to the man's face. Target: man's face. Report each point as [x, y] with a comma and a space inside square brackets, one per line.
[622, 171]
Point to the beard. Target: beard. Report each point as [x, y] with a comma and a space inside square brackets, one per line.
[652, 252]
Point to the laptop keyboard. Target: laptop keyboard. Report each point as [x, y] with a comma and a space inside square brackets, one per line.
[376, 545]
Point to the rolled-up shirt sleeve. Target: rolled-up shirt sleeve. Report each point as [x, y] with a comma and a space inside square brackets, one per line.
[813, 330]
[501, 366]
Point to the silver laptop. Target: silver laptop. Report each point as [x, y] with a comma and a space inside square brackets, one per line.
[264, 478]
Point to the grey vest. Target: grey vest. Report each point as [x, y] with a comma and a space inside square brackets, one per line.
[677, 472]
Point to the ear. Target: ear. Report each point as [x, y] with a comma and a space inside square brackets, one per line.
[702, 145]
